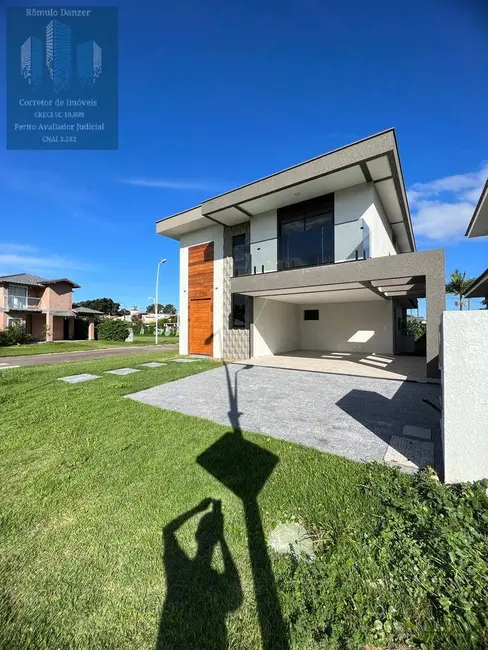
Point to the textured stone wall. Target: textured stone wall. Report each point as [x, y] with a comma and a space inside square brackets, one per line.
[236, 342]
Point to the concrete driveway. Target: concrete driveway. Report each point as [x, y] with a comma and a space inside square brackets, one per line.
[357, 417]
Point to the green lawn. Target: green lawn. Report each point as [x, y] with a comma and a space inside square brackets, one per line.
[90, 480]
[74, 346]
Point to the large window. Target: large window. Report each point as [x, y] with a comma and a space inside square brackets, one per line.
[306, 233]
[239, 254]
[238, 315]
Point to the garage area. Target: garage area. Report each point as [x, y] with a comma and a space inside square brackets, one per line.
[353, 331]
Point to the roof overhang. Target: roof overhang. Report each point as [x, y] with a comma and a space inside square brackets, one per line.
[372, 160]
[478, 226]
[479, 288]
[46, 283]
[65, 313]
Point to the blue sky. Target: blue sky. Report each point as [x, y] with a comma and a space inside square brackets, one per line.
[216, 94]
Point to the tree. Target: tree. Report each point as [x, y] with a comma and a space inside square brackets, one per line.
[105, 305]
[458, 285]
[169, 309]
[150, 308]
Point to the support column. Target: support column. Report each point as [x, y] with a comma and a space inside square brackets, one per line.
[49, 327]
[435, 294]
[71, 329]
[91, 330]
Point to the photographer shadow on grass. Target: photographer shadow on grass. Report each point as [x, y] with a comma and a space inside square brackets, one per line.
[198, 598]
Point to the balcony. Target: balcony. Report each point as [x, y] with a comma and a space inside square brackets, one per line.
[21, 302]
[314, 247]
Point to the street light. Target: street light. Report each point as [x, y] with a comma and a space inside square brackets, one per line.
[156, 304]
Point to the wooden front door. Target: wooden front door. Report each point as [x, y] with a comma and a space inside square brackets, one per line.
[200, 299]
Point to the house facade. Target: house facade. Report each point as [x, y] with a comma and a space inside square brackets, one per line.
[320, 256]
[43, 306]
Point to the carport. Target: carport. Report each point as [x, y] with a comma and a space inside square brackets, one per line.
[347, 317]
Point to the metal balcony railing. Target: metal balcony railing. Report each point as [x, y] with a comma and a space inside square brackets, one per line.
[21, 302]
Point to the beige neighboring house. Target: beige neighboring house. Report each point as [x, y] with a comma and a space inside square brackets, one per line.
[43, 306]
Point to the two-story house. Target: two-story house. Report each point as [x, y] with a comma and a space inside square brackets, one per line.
[44, 307]
[320, 256]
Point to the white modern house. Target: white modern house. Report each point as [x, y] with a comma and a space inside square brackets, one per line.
[319, 257]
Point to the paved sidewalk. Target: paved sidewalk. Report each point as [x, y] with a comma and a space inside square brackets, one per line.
[60, 357]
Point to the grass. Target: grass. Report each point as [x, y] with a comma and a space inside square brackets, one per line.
[91, 480]
[75, 346]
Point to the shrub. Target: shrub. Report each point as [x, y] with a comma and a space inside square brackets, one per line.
[112, 330]
[15, 335]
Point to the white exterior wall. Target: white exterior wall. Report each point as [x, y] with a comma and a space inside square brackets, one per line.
[349, 327]
[350, 206]
[380, 230]
[464, 357]
[275, 328]
[215, 234]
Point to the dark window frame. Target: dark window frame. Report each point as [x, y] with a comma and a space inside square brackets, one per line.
[242, 323]
[242, 242]
[300, 213]
[311, 314]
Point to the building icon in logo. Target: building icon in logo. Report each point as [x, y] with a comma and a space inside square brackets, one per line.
[31, 61]
[58, 54]
[88, 62]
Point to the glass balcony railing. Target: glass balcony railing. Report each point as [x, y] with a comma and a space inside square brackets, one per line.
[314, 247]
[21, 302]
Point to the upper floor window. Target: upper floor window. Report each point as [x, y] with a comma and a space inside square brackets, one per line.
[239, 254]
[306, 233]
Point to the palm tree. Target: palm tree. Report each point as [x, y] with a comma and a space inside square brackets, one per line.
[458, 285]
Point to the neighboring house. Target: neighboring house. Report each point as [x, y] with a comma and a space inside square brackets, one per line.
[42, 306]
[320, 256]
[478, 227]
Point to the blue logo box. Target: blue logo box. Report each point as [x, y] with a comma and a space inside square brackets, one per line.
[62, 78]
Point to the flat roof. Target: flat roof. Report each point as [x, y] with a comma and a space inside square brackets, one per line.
[374, 159]
[478, 225]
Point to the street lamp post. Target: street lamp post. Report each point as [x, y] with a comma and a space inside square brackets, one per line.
[156, 304]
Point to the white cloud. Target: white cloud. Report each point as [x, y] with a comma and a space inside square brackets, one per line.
[17, 258]
[16, 248]
[169, 184]
[442, 208]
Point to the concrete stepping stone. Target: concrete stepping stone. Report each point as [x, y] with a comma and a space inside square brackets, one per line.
[122, 371]
[186, 360]
[77, 379]
[291, 539]
[409, 454]
[416, 432]
[153, 364]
